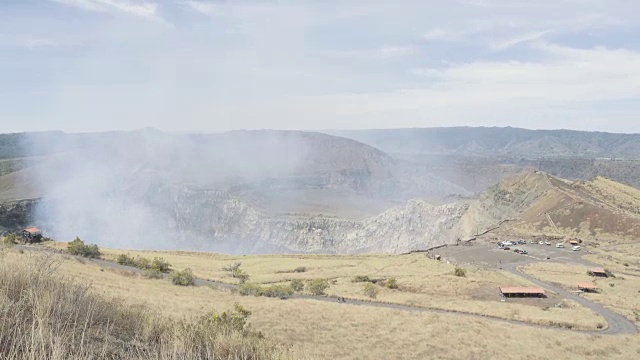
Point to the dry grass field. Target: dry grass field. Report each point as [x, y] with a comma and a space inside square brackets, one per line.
[620, 293]
[422, 282]
[340, 331]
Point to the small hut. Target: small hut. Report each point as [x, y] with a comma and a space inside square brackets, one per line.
[587, 287]
[598, 272]
[31, 235]
[522, 292]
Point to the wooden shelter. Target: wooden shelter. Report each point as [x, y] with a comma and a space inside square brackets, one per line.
[522, 292]
[587, 287]
[31, 235]
[599, 272]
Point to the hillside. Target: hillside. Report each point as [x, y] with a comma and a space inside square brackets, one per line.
[536, 203]
[505, 142]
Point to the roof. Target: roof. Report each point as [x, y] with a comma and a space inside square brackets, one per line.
[587, 285]
[522, 290]
[598, 270]
[32, 230]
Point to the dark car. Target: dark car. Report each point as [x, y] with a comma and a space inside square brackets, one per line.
[506, 248]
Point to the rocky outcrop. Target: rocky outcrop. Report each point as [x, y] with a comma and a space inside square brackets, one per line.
[16, 215]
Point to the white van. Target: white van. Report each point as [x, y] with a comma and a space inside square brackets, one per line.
[560, 245]
[576, 248]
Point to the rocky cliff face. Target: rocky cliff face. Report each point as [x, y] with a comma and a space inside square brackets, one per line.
[232, 225]
[16, 215]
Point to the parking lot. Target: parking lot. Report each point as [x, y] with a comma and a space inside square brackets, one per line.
[491, 255]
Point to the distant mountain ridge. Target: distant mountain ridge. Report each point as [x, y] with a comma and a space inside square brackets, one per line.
[499, 141]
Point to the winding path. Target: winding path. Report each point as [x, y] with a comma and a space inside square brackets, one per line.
[618, 325]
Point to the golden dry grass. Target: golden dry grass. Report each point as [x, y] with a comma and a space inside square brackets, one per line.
[621, 294]
[423, 282]
[338, 331]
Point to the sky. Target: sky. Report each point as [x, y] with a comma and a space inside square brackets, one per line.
[213, 65]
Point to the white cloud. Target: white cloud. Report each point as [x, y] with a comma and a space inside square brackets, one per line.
[524, 38]
[137, 8]
[203, 7]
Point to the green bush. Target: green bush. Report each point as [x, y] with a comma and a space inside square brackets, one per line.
[361, 278]
[234, 321]
[317, 286]
[250, 290]
[300, 269]
[277, 291]
[371, 290]
[126, 260]
[160, 265]
[10, 239]
[78, 247]
[297, 285]
[460, 272]
[183, 278]
[232, 267]
[152, 274]
[242, 276]
[392, 283]
[142, 263]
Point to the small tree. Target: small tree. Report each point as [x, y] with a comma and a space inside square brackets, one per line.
[126, 260]
[236, 320]
[361, 278]
[152, 274]
[142, 263]
[250, 290]
[297, 285]
[78, 247]
[371, 290]
[9, 240]
[317, 286]
[460, 272]
[392, 284]
[232, 267]
[242, 276]
[183, 278]
[160, 265]
[278, 291]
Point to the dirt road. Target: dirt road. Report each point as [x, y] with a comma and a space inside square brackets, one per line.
[617, 325]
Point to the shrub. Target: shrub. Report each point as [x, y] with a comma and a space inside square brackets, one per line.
[242, 276]
[392, 284]
[78, 247]
[183, 278]
[250, 290]
[317, 286]
[160, 265]
[10, 239]
[300, 269]
[152, 274]
[142, 263]
[297, 285]
[232, 321]
[625, 264]
[460, 272]
[232, 267]
[277, 291]
[371, 290]
[110, 328]
[126, 260]
[361, 278]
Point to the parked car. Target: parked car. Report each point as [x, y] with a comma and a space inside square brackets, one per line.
[560, 245]
[531, 242]
[541, 242]
[506, 248]
[547, 243]
[516, 250]
[524, 252]
[576, 248]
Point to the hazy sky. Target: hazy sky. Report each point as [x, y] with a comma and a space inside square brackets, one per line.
[180, 65]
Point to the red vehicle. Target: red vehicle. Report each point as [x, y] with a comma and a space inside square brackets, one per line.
[516, 250]
[506, 248]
